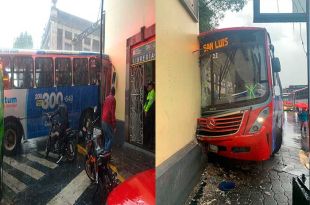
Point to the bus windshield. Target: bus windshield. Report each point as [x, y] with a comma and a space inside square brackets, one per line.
[233, 69]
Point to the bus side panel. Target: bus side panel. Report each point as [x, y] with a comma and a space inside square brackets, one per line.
[42, 100]
[14, 103]
[15, 106]
[276, 119]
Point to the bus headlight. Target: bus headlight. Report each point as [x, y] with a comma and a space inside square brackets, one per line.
[260, 120]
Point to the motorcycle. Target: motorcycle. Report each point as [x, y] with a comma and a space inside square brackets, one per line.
[97, 163]
[61, 145]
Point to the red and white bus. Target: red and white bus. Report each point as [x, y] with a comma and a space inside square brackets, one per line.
[241, 94]
[288, 101]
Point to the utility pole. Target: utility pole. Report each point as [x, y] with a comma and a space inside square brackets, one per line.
[101, 31]
[102, 86]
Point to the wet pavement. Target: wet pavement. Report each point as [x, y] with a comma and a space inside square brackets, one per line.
[30, 178]
[268, 182]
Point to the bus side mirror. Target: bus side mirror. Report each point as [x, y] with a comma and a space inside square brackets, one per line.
[276, 66]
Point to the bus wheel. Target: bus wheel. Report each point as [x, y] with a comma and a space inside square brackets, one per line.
[11, 138]
[278, 141]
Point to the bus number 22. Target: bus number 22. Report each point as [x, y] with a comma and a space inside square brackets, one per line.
[52, 99]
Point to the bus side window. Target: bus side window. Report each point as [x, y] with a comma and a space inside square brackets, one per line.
[80, 71]
[7, 72]
[23, 72]
[63, 72]
[44, 72]
[94, 71]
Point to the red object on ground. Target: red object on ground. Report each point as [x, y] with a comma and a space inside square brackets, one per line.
[138, 189]
[301, 105]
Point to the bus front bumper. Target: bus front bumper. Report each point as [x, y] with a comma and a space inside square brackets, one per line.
[244, 147]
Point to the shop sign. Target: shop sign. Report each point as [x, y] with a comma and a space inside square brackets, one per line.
[143, 53]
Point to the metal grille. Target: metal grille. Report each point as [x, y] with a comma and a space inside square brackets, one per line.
[221, 125]
[136, 104]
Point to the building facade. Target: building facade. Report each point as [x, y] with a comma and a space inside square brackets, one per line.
[179, 159]
[292, 88]
[130, 42]
[156, 41]
[63, 28]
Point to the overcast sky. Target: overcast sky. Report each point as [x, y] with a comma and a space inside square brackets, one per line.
[18, 16]
[284, 36]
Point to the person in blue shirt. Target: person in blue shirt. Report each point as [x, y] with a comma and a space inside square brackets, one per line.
[303, 118]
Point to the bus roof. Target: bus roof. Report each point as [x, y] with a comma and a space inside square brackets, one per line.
[305, 88]
[231, 29]
[51, 52]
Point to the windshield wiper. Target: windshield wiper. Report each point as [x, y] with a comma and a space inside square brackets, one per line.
[224, 69]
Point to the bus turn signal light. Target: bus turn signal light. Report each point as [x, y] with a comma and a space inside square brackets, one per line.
[259, 120]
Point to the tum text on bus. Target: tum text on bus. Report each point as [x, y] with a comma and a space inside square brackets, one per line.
[241, 103]
[35, 82]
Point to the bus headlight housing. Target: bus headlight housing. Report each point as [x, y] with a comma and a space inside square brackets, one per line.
[259, 120]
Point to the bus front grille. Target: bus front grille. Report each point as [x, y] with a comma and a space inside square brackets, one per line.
[219, 125]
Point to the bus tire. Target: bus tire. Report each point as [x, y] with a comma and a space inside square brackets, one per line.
[12, 138]
[278, 141]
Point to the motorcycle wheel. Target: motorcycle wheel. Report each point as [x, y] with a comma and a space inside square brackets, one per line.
[48, 146]
[70, 151]
[90, 169]
[104, 189]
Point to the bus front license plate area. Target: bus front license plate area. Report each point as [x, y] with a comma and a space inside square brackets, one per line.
[213, 148]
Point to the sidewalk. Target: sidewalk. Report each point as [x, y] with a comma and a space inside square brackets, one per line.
[268, 182]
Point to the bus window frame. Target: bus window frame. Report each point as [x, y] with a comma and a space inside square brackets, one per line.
[53, 70]
[74, 71]
[13, 71]
[97, 62]
[8, 57]
[62, 71]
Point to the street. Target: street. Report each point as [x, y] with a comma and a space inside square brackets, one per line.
[30, 178]
[268, 182]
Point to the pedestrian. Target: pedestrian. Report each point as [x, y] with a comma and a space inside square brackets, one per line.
[303, 119]
[149, 112]
[108, 120]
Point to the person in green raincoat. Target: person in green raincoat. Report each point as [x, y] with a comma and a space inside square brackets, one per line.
[149, 112]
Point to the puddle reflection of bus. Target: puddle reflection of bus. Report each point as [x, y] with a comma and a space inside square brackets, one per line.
[241, 94]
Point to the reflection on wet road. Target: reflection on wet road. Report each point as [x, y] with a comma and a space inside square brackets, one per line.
[292, 135]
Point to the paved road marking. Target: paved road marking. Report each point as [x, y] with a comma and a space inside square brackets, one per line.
[13, 183]
[120, 177]
[41, 161]
[36, 174]
[81, 150]
[70, 194]
[52, 155]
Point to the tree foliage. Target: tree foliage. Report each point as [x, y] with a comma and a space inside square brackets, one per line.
[212, 11]
[24, 40]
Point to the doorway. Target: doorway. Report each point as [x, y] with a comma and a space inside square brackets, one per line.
[140, 133]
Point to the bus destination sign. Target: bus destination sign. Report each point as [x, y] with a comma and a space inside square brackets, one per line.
[213, 45]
